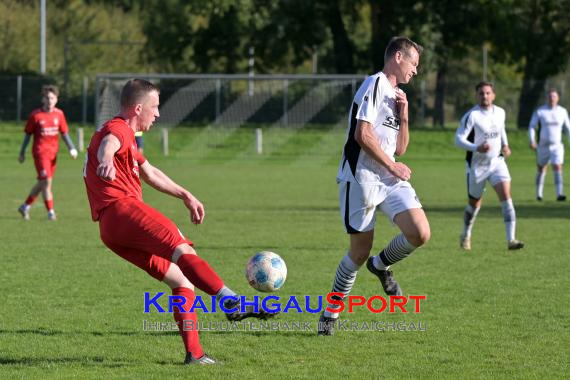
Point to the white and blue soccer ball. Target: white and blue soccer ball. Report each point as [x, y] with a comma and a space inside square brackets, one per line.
[266, 271]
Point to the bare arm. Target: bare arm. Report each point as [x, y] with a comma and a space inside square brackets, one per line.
[366, 138]
[161, 182]
[403, 133]
[107, 149]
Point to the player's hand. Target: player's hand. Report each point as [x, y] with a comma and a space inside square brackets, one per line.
[21, 158]
[106, 170]
[401, 100]
[73, 152]
[506, 151]
[401, 171]
[532, 146]
[483, 148]
[197, 212]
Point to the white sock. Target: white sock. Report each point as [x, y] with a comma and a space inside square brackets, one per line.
[225, 292]
[540, 183]
[559, 183]
[343, 281]
[469, 216]
[510, 218]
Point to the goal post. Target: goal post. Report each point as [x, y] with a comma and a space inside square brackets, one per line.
[221, 103]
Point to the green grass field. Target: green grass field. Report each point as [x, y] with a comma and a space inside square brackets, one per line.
[71, 309]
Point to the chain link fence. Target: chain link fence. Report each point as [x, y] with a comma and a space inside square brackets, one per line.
[292, 101]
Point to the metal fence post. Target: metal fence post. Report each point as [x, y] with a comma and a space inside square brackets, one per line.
[80, 139]
[285, 101]
[96, 100]
[84, 89]
[218, 98]
[258, 141]
[19, 98]
[164, 133]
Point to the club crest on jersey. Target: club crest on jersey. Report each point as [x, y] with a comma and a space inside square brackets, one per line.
[136, 168]
[392, 122]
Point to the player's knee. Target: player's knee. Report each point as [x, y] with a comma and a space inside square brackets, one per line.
[420, 237]
[182, 249]
[174, 278]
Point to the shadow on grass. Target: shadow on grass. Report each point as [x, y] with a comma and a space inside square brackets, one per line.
[41, 362]
[249, 331]
[45, 332]
[538, 211]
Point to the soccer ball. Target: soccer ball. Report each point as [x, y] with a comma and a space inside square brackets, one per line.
[266, 271]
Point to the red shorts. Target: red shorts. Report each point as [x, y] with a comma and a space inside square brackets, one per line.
[45, 166]
[141, 235]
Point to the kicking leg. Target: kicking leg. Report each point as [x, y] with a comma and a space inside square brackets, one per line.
[415, 233]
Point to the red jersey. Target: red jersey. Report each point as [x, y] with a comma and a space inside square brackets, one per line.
[46, 126]
[101, 192]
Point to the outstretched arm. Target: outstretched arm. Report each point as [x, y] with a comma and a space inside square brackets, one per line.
[161, 182]
[25, 143]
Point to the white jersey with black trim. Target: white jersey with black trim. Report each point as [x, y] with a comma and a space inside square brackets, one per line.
[374, 102]
[478, 126]
[549, 122]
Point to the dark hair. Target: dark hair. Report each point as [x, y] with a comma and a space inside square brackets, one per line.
[403, 44]
[50, 88]
[552, 89]
[135, 90]
[483, 84]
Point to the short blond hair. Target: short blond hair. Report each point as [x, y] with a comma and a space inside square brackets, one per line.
[403, 44]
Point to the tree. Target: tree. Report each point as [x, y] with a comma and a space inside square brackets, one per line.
[536, 35]
[453, 38]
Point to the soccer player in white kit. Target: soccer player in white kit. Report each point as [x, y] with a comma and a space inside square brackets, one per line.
[482, 133]
[369, 178]
[549, 121]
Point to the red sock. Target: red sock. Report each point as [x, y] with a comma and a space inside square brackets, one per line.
[190, 333]
[49, 204]
[200, 273]
[30, 199]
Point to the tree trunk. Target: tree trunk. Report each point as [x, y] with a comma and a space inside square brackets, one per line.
[381, 20]
[342, 46]
[439, 104]
[530, 96]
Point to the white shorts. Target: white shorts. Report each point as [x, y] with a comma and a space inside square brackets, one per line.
[500, 173]
[358, 203]
[553, 154]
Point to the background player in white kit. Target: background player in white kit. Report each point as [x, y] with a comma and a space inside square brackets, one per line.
[549, 120]
[369, 178]
[482, 133]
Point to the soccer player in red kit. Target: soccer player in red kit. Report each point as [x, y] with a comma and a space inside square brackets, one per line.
[45, 124]
[137, 232]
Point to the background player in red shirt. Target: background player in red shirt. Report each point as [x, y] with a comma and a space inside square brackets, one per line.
[137, 232]
[45, 124]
